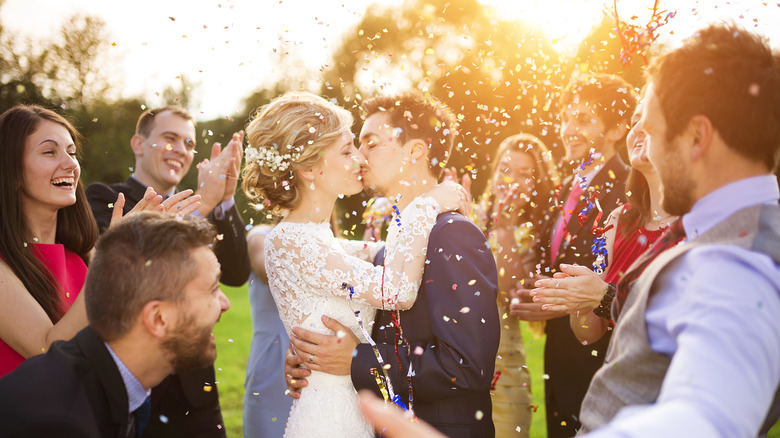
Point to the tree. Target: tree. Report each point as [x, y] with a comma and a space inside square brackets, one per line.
[81, 58]
[500, 77]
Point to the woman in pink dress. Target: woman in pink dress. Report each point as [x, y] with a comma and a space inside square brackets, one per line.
[48, 232]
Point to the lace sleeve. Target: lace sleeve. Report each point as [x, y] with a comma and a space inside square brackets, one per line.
[361, 249]
[323, 267]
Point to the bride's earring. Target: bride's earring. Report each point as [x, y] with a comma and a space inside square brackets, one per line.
[312, 185]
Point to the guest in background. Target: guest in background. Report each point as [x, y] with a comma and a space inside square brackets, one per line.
[164, 148]
[636, 226]
[696, 348]
[595, 116]
[514, 213]
[266, 404]
[47, 231]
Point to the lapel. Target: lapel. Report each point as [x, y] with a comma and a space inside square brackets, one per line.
[105, 369]
[134, 192]
[612, 176]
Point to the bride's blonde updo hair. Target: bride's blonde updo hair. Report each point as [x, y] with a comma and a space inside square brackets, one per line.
[288, 134]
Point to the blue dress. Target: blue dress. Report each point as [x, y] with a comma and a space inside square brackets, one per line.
[266, 406]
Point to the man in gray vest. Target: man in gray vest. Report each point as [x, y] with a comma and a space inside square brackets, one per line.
[696, 348]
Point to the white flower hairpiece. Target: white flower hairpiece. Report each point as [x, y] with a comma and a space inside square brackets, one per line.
[271, 158]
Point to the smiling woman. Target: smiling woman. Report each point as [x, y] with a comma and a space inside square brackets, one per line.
[47, 233]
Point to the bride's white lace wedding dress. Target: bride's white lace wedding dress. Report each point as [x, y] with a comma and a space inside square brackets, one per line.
[311, 273]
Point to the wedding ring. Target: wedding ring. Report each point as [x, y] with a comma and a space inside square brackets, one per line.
[311, 358]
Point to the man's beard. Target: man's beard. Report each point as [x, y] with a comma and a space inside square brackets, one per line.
[678, 187]
[190, 347]
[373, 190]
[676, 198]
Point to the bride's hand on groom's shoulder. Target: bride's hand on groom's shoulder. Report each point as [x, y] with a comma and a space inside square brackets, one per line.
[451, 196]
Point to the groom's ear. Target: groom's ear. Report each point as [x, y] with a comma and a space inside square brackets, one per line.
[418, 149]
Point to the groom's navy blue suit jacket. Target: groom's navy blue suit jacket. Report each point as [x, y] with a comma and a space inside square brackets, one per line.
[453, 331]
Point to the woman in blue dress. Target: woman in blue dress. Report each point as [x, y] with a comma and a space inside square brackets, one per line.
[266, 405]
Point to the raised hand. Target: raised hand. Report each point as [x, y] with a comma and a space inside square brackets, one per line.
[503, 213]
[235, 149]
[181, 204]
[218, 175]
[391, 421]
[150, 201]
[578, 290]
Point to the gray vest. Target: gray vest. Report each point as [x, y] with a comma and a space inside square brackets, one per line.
[632, 372]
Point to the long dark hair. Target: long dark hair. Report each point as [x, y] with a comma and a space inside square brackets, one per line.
[76, 226]
[546, 179]
[638, 197]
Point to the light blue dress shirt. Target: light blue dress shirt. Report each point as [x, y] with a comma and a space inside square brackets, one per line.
[716, 313]
[136, 394]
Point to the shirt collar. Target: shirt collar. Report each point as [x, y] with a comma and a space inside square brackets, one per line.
[136, 394]
[164, 195]
[721, 203]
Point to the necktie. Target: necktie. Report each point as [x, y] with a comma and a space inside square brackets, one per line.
[670, 238]
[563, 221]
[142, 416]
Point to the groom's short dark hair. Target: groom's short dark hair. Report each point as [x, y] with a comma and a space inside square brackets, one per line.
[422, 117]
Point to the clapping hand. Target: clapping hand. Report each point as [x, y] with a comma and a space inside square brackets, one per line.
[180, 204]
[218, 175]
[575, 289]
[522, 306]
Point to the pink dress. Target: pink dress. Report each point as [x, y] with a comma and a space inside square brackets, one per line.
[69, 270]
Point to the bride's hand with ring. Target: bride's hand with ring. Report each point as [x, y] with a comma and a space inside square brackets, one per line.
[451, 196]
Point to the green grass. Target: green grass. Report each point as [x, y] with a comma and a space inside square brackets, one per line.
[534, 359]
[234, 334]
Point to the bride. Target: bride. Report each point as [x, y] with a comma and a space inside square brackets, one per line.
[301, 158]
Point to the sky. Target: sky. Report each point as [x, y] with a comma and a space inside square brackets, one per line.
[232, 48]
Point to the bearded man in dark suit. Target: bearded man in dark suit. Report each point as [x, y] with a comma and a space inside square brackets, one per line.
[152, 299]
[164, 148]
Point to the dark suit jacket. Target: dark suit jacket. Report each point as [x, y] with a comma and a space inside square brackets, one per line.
[190, 410]
[569, 364]
[74, 390]
[231, 251]
[453, 331]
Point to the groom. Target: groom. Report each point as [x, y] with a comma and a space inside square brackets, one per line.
[453, 328]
